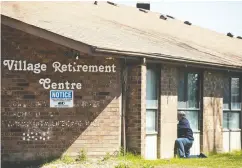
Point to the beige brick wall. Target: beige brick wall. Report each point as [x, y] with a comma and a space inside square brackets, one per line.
[30, 129]
[212, 135]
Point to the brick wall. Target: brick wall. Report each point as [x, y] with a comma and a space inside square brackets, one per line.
[212, 135]
[30, 128]
[135, 114]
[168, 112]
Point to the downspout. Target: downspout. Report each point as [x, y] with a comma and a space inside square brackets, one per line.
[124, 95]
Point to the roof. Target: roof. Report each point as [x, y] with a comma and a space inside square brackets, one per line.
[123, 28]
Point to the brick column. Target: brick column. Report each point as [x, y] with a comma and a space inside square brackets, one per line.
[168, 112]
[212, 135]
[136, 113]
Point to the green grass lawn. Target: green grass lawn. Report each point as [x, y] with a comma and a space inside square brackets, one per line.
[226, 160]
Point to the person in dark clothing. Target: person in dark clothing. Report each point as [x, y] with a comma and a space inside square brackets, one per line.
[185, 136]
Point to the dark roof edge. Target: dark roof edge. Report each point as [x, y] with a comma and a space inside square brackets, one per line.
[168, 58]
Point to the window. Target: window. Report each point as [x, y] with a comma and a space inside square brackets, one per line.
[151, 120]
[235, 94]
[152, 89]
[232, 103]
[188, 97]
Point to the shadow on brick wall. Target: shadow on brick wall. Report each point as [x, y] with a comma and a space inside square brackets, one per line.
[32, 132]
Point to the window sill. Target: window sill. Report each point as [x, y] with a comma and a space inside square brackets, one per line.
[189, 109]
[233, 129]
[233, 110]
[152, 133]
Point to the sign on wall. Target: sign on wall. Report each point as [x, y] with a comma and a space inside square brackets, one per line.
[61, 98]
[61, 93]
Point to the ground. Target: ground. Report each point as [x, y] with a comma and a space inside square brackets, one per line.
[225, 160]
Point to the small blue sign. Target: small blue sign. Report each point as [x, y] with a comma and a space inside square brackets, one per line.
[61, 98]
[61, 94]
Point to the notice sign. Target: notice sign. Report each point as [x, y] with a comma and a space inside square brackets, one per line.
[61, 98]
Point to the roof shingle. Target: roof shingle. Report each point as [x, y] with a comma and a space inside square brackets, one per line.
[127, 29]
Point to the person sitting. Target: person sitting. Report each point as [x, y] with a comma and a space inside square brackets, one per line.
[185, 136]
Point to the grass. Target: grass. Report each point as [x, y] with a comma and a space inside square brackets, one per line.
[224, 160]
[82, 156]
[66, 159]
[107, 156]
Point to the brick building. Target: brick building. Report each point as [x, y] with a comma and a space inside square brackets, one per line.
[133, 70]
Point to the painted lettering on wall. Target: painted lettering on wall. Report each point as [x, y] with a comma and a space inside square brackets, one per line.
[23, 65]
